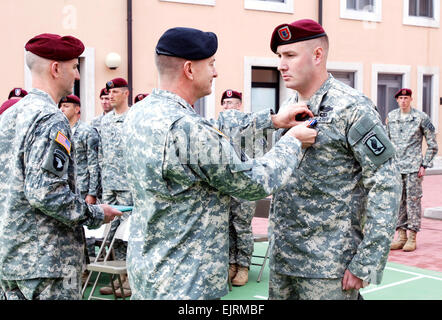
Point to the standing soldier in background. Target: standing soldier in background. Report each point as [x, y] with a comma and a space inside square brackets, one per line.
[113, 167]
[140, 97]
[406, 127]
[183, 171]
[241, 211]
[41, 243]
[319, 248]
[105, 104]
[85, 140]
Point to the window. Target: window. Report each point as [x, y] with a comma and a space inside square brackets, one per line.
[388, 85]
[366, 10]
[422, 13]
[427, 95]
[200, 107]
[202, 2]
[421, 8]
[265, 88]
[285, 6]
[348, 72]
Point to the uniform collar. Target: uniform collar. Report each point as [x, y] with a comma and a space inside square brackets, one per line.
[43, 95]
[315, 101]
[176, 98]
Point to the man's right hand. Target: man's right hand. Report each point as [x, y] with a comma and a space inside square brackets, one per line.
[307, 136]
[110, 213]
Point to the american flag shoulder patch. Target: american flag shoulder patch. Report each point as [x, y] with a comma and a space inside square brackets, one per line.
[64, 141]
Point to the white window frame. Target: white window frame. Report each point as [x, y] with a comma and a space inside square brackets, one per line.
[201, 2]
[375, 16]
[87, 83]
[356, 67]
[434, 72]
[249, 63]
[404, 70]
[422, 21]
[286, 7]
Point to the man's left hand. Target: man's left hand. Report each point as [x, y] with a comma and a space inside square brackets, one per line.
[421, 172]
[350, 281]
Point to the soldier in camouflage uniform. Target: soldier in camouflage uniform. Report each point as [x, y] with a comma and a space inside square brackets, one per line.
[406, 127]
[105, 104]
[85, 140]
[319, 249]
[241, 211]
[183, 171]
[114, 176]
[41, 243]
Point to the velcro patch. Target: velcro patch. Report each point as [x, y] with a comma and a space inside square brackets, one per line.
[64, 141]
[373, 143]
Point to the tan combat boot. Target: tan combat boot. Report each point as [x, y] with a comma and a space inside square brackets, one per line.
[399, 243]
[233, 269]
[126, 289]
[411, 242]
[108, 289]
[242, 276]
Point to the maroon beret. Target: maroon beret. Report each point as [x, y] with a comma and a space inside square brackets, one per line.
[104, 92]
[8, 103]
[17, 93]
[116, 83]
[140, 97]
[72, 98]
[403, 92]
[297, 31]
[231, 94]
[55, 47]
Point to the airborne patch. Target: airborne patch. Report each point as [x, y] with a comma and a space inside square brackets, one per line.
[373, 143]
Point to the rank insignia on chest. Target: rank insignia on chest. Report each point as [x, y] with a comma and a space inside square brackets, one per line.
[373, 143]
[64, 141]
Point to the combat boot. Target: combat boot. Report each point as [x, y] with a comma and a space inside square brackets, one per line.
[126, 289]
[108, 289]
[242, 276]
[233, 269]
[399, 243]
[411, 242]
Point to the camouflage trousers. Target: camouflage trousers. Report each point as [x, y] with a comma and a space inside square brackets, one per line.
[41, 289]
[410, 209]
[283, 287]
[122, 198]
[240, 231]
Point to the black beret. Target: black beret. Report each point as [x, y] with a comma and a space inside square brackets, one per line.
[403, 92]
[17, 93]
[55, 47]
[187, 43]
[297, 31]
[116, 83]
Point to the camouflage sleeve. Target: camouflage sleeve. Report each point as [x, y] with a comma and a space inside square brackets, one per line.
[381, 181]
[234, 118]
[48, 185]
[92, 161]
[202, 153]
[430, 136]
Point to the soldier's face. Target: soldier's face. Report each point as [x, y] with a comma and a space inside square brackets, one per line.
[69, 73]
[296, 64]
[118, 96]
[105, 103]
[70, 110]
[231, 103]
[404, 102]
[204, 73]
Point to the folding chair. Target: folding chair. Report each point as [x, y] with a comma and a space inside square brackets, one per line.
[115, 268]
[261, 211]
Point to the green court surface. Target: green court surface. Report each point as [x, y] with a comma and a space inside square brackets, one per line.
[399, 282]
